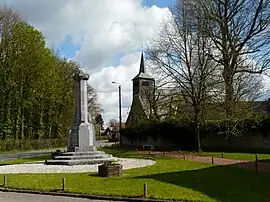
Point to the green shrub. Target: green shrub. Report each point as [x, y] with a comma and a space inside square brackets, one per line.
[11, 144]
[182, 132]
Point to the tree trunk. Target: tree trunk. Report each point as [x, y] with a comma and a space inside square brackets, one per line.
[22, 125]
[229, 102]
[197, 130]
[229, 92]
[17, 123]
[99, 130]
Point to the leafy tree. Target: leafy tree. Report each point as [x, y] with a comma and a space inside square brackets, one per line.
[37, 87]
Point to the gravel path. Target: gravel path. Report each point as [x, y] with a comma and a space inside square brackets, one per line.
[250, 165]
[127, 163]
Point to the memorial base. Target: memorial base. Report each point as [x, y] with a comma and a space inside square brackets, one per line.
[81, 158]
[82, 149]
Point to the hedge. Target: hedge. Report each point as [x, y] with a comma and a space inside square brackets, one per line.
[182, 132]
[12, 145]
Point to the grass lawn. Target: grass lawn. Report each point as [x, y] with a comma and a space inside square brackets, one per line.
[236, 156]
[167, 179]
[25, 160]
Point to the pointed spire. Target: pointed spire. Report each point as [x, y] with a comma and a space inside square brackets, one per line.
[142, 67]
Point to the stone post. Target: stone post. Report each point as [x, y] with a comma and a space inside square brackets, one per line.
[81, 137]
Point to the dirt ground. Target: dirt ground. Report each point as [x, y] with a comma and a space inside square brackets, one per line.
[250, 165]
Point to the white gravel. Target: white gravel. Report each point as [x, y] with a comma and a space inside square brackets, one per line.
[127, 163]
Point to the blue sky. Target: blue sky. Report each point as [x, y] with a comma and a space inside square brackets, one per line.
[159, 3]
[69, 49]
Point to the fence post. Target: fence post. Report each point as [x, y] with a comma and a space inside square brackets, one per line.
[222, 155]
[184, 156]
[63, 183]
[5, 180]
[145, 190]
[212, 160]
[256, 163]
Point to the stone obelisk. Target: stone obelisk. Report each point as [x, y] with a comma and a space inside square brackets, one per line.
[81, 147]
[81, 137]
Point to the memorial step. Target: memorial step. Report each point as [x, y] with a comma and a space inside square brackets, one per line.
[80, 161]
[82, 153]
[74, 157]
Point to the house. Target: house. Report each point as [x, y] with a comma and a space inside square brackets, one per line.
[112, 132]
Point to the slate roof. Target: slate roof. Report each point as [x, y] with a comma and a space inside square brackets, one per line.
[142, 73]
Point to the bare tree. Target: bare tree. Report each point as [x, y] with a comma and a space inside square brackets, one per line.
[247, 89]
[93, 105]
[163, 101]
[240, 35]
[182, 52]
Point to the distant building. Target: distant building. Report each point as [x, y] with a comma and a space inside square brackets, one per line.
[116, 127]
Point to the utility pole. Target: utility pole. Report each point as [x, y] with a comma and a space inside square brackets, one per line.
[120, 112]
[120, 115]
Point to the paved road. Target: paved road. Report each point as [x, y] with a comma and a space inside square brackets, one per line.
[19, 197]
[4, 157]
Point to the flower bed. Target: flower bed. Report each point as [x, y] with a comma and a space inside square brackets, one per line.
[110, 169]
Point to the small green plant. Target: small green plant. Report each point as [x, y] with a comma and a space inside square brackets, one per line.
[111, 163]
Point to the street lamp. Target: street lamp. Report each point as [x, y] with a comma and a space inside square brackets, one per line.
[120, 115]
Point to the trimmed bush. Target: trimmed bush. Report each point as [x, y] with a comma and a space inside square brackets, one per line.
[182, 132]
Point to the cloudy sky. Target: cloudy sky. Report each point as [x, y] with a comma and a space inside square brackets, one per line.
[104, 36]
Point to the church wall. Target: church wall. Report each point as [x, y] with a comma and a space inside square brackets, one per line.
[250, 142]
[157, 143]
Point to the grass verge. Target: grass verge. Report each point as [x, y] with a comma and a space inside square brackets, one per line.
[28, 159]
[167, 179]
[15, 151]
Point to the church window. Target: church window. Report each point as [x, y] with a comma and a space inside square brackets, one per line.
[145, 83]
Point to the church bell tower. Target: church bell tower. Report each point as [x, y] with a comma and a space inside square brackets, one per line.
[143, 88]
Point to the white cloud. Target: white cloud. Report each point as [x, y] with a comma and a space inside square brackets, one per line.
[108, 92]
[101, 28]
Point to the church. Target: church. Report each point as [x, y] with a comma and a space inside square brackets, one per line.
[143, 90]
[141, 108]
